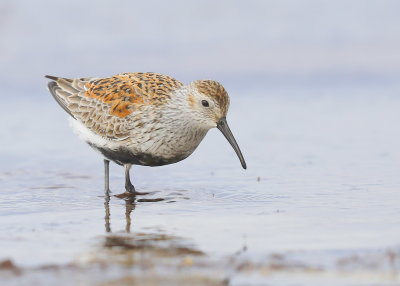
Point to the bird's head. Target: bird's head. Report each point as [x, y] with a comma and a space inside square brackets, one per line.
[209, 104]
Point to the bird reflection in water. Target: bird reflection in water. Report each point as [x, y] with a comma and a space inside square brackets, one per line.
[130, 204]
[147, 247]
[107, 209]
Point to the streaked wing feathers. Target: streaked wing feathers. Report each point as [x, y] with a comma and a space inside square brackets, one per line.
[103, 105]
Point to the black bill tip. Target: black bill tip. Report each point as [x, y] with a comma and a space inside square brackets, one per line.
[224, 128]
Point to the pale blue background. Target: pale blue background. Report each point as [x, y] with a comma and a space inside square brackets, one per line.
[315, 108]
[241, 43]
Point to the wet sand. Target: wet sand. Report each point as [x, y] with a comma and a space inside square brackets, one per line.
[318, 204]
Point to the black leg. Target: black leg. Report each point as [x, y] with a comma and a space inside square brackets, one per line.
[107, 176]
[130, 189]
[128, 185]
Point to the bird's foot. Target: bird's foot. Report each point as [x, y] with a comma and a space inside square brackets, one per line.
[129, 195]
[135, 193]
[130, 192]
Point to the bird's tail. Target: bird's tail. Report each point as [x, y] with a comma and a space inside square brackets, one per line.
[63, 88]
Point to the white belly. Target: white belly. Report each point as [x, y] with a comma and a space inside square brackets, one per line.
[149, 149]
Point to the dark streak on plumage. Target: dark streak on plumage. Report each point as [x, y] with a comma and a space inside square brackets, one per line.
[123, 156]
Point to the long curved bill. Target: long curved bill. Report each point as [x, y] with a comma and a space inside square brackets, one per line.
[224, 128]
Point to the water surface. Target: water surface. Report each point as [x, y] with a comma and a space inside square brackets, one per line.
[319, 199]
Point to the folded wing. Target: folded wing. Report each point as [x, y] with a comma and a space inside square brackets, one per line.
[105, 105]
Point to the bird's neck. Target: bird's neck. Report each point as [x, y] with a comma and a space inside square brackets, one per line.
[182, 135]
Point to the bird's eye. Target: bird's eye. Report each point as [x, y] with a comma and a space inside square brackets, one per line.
[205, 103]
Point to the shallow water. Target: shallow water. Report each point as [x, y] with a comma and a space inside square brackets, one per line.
[318, 203]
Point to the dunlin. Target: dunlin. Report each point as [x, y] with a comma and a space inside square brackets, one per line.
[144, 119]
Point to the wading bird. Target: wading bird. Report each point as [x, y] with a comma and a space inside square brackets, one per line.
[144, 119]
